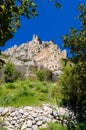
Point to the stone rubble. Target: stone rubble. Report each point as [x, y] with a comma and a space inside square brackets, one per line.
[32, 118]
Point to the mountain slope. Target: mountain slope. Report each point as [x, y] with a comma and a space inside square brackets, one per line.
[36, 53]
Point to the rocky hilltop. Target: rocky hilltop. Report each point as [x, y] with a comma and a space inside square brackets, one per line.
[36, 53]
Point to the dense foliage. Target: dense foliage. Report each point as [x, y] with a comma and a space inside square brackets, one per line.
[44, 75]
[10, 73]
[74, 77]
[10, 12]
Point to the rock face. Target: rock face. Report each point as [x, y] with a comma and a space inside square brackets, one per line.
[32, 118]
[36, 53]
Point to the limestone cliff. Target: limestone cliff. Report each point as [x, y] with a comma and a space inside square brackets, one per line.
[36, 53]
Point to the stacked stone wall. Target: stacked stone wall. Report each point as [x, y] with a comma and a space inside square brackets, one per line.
[32, 118]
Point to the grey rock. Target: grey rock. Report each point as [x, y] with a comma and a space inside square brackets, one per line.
[26, 113]
[16, 113]
[55, 75]
[37, 119]
[13, 122]
[14, 118]
[30, 117]
[54, 113]
[46, 119]
[28, 129]
[39, 123]
[24, 126]
[24, 116]
[26, 54]
[34, 127]
[11, 126]
[21, 111]
[28, 108]
[33, 122]
[19, 116]
[1, 109]
[34, 115]
[47, 109]
[12, 114]
[29, 123]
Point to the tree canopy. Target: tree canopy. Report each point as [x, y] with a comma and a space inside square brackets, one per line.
[10, 12]
[75, 82]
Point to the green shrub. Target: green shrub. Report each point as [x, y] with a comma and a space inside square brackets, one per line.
[10, 86]
[33, 69]
[82, 126]
[44, 90]
[31, 85]
[44, 75]
[40, 75]
[79, 126]
[23, 92]
[42, 97]
[5, 100]
[10, 73]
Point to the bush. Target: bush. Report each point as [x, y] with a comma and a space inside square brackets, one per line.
[5, 100]
[79, 126]
[10, 86]
[44, 75]
[10, 73]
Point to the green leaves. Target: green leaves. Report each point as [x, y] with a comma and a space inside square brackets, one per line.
[10, 12]
[10, 73]
[56, 3]
[75, 41]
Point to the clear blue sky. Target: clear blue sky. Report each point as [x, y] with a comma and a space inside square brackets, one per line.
[50, 24]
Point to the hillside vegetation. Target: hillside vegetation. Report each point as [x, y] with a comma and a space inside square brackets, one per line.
[28, 92]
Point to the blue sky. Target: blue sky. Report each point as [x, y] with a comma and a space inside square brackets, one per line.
[50, 24]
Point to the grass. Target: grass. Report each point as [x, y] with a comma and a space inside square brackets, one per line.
[57, 126]
[1, 128]
[28, 92]
[54, 126]
[1, 125]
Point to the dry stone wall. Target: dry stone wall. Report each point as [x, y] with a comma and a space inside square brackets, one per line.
[32, 118]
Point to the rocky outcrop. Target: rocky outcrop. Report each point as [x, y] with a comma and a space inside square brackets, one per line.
[55, 75]
[32, 118]
[36, 52]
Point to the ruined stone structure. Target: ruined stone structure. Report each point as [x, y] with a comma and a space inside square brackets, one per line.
[36, 53]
